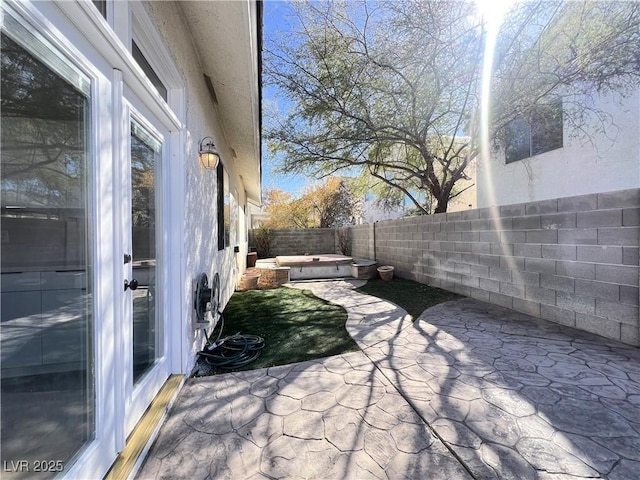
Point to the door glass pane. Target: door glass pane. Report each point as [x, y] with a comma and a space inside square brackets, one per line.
[47, 398]
[145, 154]
[101, 5]
[148, 70]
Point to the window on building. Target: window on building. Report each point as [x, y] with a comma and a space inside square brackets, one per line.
[542, 132]
[149, 72]
[227, 211]
[224, 208]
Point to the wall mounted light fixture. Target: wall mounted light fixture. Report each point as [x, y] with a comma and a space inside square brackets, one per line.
[209, 156]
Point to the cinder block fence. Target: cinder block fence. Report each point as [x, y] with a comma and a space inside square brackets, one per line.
[299, 241]
[571, 260]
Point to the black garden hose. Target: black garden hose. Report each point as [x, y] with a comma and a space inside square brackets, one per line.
[232, 352]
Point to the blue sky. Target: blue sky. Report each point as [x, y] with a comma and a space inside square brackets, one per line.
[274, 21]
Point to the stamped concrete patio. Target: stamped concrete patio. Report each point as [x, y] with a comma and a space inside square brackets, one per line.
[469, 390]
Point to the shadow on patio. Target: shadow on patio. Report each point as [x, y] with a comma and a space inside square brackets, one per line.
[469, 390]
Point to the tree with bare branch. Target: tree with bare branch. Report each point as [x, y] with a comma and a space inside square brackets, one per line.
[392, 89]
[326, 205]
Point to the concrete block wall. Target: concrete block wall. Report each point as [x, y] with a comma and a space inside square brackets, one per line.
[571, 260]
[300, 241]
[362, 241]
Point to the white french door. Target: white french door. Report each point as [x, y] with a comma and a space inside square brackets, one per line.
[143, 321]
[48, 258]
[87, 199]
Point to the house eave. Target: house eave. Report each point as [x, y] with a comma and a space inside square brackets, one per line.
[227, 37]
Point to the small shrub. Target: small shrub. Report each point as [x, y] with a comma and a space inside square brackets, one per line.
[344, 240]
[263, 238]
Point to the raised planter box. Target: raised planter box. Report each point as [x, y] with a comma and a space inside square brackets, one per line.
[366, 269]
[271, 275]
[329, 265]
[249, 280]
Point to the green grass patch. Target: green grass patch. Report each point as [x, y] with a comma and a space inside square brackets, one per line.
[298, 326]
[414, 297]
[295, 324]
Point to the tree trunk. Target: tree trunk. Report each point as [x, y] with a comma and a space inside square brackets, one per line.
[441, 206]
[443, 200]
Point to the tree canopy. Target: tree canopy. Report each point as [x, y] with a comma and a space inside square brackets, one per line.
[392, 90]
[329, 204]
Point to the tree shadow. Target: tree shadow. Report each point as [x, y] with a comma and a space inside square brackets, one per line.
[515, 396]
[468, 390]
[336, 417]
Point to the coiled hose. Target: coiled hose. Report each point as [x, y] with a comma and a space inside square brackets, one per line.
[232, 352]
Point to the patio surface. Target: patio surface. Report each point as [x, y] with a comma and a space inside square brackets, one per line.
[470, 390]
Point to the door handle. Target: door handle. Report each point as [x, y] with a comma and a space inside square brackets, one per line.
[130, 284]
[127, 258]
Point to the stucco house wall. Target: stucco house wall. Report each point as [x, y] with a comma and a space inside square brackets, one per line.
[200, 230]
[586, 164]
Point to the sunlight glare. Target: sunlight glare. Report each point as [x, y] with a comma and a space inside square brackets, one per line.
[492, 14]
[492, 11]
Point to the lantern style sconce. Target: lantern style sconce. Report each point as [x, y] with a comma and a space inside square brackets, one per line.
[209, 156]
